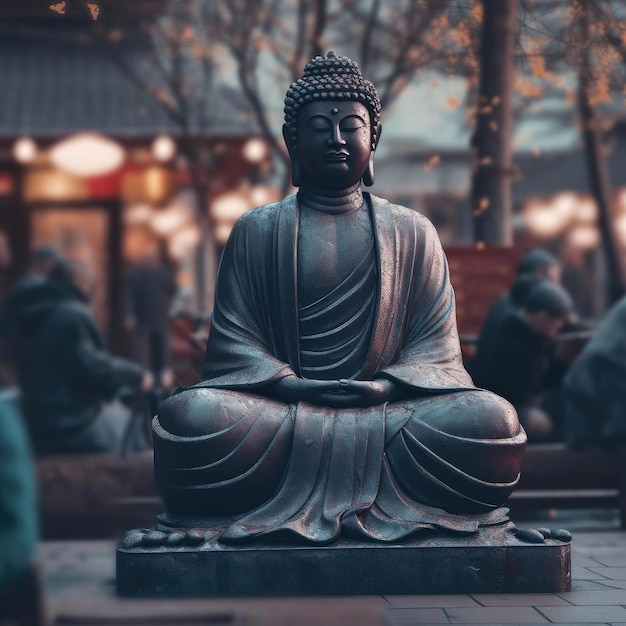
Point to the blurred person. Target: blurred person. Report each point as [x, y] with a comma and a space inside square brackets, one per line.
[148, 293]
[18, 514]
[43, 260]
[594, 390]
[524, 361]
[67, 378]
[535, 263]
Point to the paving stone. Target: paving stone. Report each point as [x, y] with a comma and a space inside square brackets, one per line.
[520, 599]
[589, 614]
[495, 615]
[589, 561]
[587, 573]
[613, 584]
[590, 585]
[426, 601]
[614, 573]
[613, 560]
[597, 597]
[414, 616]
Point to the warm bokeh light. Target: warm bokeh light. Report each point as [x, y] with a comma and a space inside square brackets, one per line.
[152, 184]
[163, 148]
[184, 241]
[543, 221]
[261, 194]
[87, 154]
[49, 184]
[229, 207]
[550, 218]
[167, 221]
[25, 150]
[586, 211]
[254, 150]
[137, 214]
[584, 237]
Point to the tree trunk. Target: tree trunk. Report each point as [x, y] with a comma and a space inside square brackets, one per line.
[492, 142]
[597, 168]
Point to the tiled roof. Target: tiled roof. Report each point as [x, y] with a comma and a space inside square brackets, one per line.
[50, 86]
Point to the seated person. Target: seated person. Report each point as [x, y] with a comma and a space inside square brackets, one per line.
[66, 376]
[522, 362]
[536, 263]
[334, 398]
[594, 389]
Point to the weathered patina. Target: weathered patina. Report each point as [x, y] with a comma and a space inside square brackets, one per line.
[334, 399]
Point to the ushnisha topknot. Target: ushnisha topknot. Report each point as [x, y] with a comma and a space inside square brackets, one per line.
[331, 78]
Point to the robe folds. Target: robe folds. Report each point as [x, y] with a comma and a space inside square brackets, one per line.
[447, 457]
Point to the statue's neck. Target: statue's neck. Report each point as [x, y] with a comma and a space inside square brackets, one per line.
[331, 201]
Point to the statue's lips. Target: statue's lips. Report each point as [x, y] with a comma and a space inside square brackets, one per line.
[336, 157]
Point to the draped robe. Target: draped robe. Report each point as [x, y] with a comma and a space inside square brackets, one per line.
[447, 457]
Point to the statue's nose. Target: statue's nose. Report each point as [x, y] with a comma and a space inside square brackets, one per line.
[336, 138]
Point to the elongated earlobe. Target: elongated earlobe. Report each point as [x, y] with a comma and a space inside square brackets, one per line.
[368, 174]
[295, 172]
[295, 166]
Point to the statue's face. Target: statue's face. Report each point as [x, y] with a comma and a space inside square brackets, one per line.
[334, 143]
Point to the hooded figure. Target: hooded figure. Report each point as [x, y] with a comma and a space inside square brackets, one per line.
[66, 375]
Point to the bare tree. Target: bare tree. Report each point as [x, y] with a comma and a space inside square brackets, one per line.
[587, 38]
[492, 142]
[392, 41]
[597, 166]
[173, 57]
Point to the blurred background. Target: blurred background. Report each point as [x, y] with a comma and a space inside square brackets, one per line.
[134, 134]
[157, 124]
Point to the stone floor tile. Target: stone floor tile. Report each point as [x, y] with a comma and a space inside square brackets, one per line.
[595, 597]
[590, 561]
[613, 573]
[612, 584]
[518, 599]
[613, 560]
[414, 616]
[587, 573]
[426, 601]
[582, 614]
[590, 585]
[495, 615]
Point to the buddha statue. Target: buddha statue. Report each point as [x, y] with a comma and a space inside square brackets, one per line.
[334, 399]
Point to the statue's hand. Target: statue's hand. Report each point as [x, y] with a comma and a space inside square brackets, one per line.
[359, 393]
[293, 389]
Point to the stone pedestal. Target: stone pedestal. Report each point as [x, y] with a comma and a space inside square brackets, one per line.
[492, 560]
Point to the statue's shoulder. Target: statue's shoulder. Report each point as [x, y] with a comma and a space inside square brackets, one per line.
[263, 218]
[404, 216]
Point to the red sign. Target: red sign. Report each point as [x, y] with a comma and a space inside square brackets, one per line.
[479, 278]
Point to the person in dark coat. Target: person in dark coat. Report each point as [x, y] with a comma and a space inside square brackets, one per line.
[148, 293]
[594, 390]
[522, 362]
[67, 377]
[42, 261]
[536, 263]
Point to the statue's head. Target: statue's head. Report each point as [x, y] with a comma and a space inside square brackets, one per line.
[332, 124]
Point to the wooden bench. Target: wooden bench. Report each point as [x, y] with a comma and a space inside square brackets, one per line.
[96, 495]
[555, 477]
